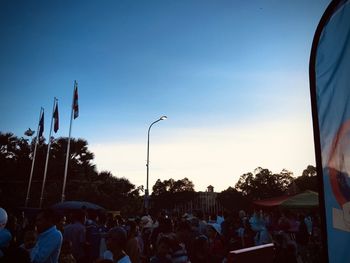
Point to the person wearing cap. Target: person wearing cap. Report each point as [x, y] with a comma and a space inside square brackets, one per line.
[5, 235]
[3, 218]
[116, 243]
[146, 226]
[48, 246]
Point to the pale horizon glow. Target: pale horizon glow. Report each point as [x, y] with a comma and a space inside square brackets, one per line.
[210, 156]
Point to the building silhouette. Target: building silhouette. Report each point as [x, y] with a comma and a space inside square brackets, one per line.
[206, 201]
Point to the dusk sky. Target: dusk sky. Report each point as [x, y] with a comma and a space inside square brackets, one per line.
[232, 77]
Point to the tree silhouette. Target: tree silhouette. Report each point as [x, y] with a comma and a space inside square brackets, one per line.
[232, 200]
[308, 180]
[168, 193]
[83, 181]
[263, 184]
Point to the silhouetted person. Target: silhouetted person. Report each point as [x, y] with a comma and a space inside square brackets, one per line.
[116, 243]
[163, 251]
[76, 234]
[49, 241]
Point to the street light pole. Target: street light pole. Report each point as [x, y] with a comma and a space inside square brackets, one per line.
[147, 164]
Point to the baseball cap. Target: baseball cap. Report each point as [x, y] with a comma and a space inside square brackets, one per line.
[3, 218]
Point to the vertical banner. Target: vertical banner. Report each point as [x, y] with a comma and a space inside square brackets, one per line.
[330, 98]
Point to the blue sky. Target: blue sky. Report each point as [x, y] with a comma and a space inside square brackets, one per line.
[231, 76]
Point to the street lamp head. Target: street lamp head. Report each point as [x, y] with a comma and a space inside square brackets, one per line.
[29, 132]
[163, 118]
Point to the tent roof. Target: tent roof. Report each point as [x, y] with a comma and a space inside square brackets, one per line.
[275, 201]
[305, 199]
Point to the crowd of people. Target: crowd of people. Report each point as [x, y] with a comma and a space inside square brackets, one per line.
[90, 237]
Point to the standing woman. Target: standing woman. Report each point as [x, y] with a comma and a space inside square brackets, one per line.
[132, 245]
[216, 246]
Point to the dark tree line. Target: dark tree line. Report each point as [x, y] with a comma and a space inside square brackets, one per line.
[85, 183]
[256, 185]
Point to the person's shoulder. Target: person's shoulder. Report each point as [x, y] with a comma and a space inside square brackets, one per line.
[124, 259]
[133, 241]
[56, 231]
[154, 259]
[77, 225]
[56, 234]
[91, 224]
[5, 233]
[67, 227]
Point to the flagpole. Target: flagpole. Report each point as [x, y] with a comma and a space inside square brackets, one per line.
[47, 155]
[33, 161]
[68, 147]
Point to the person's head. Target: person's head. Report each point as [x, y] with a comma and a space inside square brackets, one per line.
[63, 220]
[12, 222]
[165, 225]
[237, 223]
[102, 218]
[29, 239]
[163, 246]
[119, 220]
[110, 222]
[116, 239]
[242, 214]
[200, 247]
[301, 217]
[101, 260]
[3, 218]
[21, 215]
[44, 220]
[131, 228]
[79, 216]
[5, 238]
[92, 215]
[183, 231]
[66, 248]
[194, 222]
[213, 230]
[146, 222]
[200, 214]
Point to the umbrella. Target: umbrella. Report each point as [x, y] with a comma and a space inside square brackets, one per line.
[76, 205]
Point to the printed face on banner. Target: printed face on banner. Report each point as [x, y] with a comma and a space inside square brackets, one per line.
[330, 82]
[339, 170]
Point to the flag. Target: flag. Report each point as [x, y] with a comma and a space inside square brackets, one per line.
[56, 119]
[330, 97]
[75, 101]
[41, 124]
